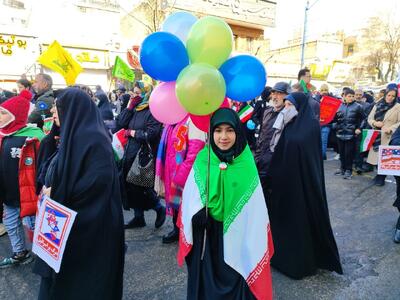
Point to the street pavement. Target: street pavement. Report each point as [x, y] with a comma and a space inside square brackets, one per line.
[363, 221]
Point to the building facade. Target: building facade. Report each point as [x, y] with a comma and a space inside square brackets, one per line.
[96, 31]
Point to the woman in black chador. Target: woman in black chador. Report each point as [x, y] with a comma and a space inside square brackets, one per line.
[77, 169]
[300, 225]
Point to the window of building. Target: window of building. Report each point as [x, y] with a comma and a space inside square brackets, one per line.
[235, 42]
[350, 49]
[250, 44]
[14, 4]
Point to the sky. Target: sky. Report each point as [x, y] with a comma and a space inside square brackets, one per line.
[326, 16]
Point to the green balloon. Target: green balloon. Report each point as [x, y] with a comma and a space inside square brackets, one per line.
[200, 89]
[209, 41]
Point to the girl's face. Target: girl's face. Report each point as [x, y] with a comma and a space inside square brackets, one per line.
[224, 136]
[21, 87]
[390, 97]
[54, 111]
[5, 118]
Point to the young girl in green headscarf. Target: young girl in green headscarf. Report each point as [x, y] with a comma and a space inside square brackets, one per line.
[232, 260]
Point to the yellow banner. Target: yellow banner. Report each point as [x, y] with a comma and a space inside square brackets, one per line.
[59, 60]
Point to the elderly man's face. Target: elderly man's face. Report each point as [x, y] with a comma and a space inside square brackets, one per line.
[358, 95]
[277, 99]
[40, 85]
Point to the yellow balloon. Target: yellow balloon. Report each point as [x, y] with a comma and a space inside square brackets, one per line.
[210, 41]
[200, 89]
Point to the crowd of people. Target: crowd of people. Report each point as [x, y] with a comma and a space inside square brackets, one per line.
[248, 195]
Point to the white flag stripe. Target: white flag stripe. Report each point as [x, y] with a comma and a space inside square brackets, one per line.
[248, 228]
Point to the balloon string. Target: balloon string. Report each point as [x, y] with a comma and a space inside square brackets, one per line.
[207, 189]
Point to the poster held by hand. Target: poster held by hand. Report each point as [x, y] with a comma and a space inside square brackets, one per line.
[52, 228]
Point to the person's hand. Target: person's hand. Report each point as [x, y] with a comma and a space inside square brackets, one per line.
[358, 131]
[47, 191]
[378, 124]
[386, 130]
[133, 102]
[132, 133]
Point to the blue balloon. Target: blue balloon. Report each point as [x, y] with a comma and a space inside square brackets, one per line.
[251, 125]
[245, 77]
[179, 24]
[163, 56]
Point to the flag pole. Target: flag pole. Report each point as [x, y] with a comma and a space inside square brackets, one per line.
[207, 188]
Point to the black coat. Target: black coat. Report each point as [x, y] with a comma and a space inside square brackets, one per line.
[395, 141]
[348, 118]
[263, 153]
[105, 107]
[315, 105]
[212, 271]
[10, 149]
[147, 130]
[43, 104]
[85, 179]
[298, 210]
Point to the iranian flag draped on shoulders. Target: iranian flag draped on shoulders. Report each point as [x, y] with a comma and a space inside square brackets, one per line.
[237, 195]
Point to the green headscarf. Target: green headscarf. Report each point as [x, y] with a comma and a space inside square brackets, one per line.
[233, 173]
[146, 90]
[230, 117]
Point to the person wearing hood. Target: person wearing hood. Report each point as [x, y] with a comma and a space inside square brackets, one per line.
[76, 168]
[142, 130]
[18, 147]
[106, 111]
[105, 108]
[300, 224]
[225, 238]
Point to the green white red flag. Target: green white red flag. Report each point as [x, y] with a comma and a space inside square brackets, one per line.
[246, 113]
[368, 138]
[247, 238]
[119, 141]
[47, 125]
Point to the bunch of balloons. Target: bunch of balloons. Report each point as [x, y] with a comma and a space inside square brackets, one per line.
[191, 57]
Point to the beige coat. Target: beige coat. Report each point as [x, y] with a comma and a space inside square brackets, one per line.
[391, 120]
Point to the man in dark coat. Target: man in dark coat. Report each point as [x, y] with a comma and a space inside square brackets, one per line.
[43, 100]
[263, 153]
[298, 211]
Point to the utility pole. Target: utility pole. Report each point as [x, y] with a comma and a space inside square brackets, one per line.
[303, 44]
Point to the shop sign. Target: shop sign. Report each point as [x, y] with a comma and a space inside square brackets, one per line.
[248, 11]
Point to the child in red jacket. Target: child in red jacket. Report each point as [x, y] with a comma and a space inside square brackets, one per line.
[19, 144]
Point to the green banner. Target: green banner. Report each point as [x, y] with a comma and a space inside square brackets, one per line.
[121, 70]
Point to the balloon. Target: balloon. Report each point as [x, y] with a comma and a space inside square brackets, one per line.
[163, 56]
[200, 89]
[209, 41]
[203, 122]
[164, 105]
[245, 77]
[179, 24]
[251, 125]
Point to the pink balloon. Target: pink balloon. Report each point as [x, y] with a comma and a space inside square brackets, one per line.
[203, 122]
[164, 104]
